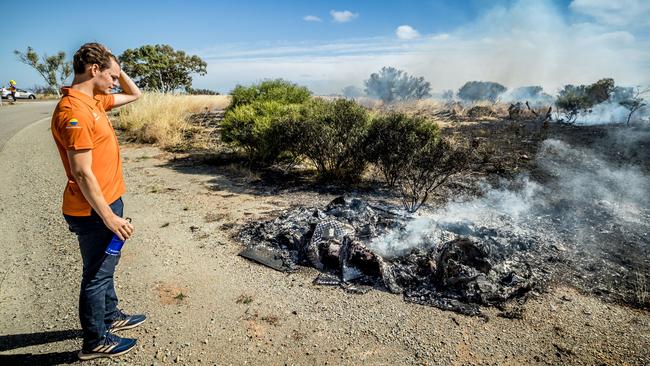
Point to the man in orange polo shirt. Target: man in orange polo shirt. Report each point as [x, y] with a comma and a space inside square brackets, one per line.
[92, 203]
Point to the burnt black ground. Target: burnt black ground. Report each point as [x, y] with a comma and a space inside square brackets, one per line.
[582, 241]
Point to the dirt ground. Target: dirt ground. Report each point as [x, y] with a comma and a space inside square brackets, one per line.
[208, 306]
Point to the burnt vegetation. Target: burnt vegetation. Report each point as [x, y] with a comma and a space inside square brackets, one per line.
[576, 100]
[408, 156]
[278, 124]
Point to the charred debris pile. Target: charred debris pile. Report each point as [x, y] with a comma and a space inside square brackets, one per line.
[458, 267]
[580, 217]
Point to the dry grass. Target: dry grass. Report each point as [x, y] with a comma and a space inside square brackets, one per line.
[421, 105]
[47, 96]
[162, 118]
[444, 113]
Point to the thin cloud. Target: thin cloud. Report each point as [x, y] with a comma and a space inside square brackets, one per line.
[406, 32]
[343, 16]
[312, 18]
[255, 51]
[441, 37]
[525, 43]
[632, 13]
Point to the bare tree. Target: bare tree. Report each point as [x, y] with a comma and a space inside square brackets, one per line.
[635, 102]
[54, 69]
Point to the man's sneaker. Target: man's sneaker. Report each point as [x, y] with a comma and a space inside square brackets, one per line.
[111, 346]
[126, 321]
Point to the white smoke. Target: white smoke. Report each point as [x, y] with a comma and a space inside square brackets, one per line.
[489, 210]
[584, 190]
[612, 112]
[526, 94]
[588, 180]
[525, 43]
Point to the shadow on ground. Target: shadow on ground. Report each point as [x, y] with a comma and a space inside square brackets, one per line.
[234, 174]
[46, 359]
[14, 341]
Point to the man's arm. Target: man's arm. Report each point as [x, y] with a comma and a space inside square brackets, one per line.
[130, 93]
[81, 167]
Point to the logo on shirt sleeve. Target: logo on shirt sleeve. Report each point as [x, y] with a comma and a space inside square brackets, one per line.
[73, 123]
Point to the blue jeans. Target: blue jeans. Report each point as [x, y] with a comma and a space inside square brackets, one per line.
[97, 298]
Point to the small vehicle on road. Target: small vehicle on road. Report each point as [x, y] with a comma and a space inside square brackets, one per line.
[20, 94]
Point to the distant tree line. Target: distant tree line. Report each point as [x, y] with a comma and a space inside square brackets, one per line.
[161, 68]
[393, 85]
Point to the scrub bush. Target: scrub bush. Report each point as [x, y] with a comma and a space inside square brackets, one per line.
[574, 100]
[412, 156]
[429, 169]
[259, 118]
[331, 134]
[278, 90]
[394, 141]
[571, 101]
[260, 128]
[192, 91]
[474, 91]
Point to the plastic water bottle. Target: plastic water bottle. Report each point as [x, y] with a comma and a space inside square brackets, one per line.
[114, 246]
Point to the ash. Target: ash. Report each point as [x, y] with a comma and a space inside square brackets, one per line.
[458, 266]
[583, 220]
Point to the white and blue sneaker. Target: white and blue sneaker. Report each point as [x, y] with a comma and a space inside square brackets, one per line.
[112, 346]
[125, 321]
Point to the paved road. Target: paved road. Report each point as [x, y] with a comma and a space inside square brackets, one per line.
[14, 118]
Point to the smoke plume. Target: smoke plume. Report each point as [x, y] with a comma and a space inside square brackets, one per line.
[523, 43]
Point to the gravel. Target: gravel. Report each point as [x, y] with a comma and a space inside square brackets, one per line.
[289, 320]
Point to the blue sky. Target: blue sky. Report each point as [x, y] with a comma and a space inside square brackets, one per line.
[330, 44]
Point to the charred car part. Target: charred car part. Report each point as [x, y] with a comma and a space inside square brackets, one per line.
[468, 268]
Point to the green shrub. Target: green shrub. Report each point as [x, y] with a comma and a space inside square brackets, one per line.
[278, 90]
[411, 155]
[260, 128]
[192, 91]
[572, 100]
[394, 141]
[331, 135]
[429, 169]
[600, 91]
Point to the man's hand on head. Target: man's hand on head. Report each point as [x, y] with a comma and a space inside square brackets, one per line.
[131, 91]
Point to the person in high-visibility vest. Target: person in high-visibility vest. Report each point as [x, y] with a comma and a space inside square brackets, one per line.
[12, 89]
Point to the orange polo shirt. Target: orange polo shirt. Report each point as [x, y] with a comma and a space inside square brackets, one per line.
[80, 122]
